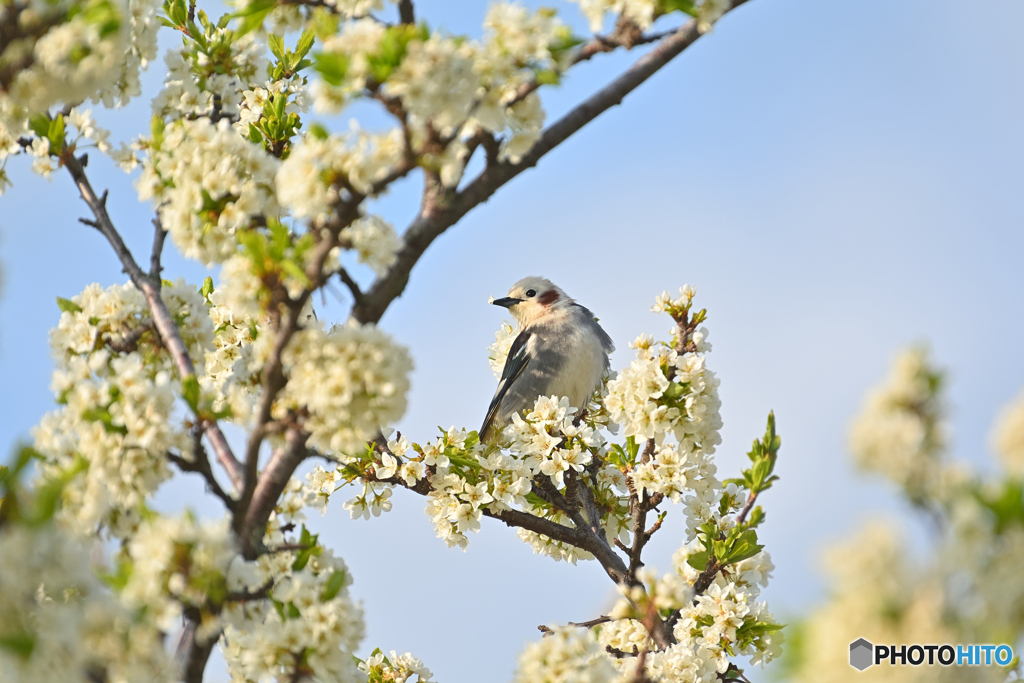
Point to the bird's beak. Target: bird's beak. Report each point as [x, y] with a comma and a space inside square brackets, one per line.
[507, 302]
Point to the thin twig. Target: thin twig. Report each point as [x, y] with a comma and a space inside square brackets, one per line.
[130, 341]
[159, 235]
[746, 508]
[353, 286]
[201, 465]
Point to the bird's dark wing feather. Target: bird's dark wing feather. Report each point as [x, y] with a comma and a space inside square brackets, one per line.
[515, 363]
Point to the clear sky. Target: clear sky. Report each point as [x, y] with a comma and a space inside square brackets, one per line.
[837, 179]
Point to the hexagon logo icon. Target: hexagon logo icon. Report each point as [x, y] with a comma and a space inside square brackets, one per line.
[861, 652]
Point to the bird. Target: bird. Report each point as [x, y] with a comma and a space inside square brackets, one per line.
[561, 350]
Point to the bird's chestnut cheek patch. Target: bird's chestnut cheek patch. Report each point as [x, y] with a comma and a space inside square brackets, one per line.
[548, 298]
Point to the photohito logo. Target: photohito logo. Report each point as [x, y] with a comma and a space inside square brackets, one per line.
[863, 654]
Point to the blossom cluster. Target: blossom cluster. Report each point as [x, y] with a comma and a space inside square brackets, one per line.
[175, 563]
[664, 392]
[642, 13]
[451, 86]
[210, 76]
[231, 367]
[306, 620]
[900, 432]
[117, 388]
[396, 667]
[61, 623]
[967, 587]
[208, 183]
[724, 621]
[320, 168]
[567, 656]
[351, 380]
[68, 51]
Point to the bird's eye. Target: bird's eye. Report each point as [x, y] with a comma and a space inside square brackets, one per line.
[531, 292]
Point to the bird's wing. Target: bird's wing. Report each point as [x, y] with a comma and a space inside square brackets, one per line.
[515, 363]
[590, 320]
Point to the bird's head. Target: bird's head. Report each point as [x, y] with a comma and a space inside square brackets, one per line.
[532, 298]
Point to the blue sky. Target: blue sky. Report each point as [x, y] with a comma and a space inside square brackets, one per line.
[837, 179]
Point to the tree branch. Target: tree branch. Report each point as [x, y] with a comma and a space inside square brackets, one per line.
[431, 223]
[353, 286]
[192, 652]
[268, 489]
[406, 12]
[159, 235]
[128, 342]
[162, 319]
[201, 465]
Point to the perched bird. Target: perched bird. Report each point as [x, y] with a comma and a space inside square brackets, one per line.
[561, 351]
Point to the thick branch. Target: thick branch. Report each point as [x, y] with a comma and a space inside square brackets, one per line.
[192, 652]
[150, 288]
[268, 490]
[431, 223]
[406, 12]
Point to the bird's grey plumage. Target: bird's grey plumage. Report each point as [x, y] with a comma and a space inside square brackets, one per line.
[561, 351]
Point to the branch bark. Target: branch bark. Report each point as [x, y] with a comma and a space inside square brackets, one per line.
[268, 489]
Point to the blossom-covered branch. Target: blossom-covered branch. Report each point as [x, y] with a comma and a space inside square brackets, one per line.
[437, 217]
[150, 288]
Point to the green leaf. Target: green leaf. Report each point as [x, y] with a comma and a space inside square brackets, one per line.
[67, 305]
[253, 16]
[21, 643]
[687, 6]
[744, 547]
[276, 45]
[117, 579]
[40, 125]
[318, 131]
[699, 561]
[207, 289]
[289, 266]
[198, 36]
[332, 66]
[102, 414]
[758, 628]
[309, 543]
[190, 392]
[675, 391]
[56, 134]
[334, 584]
[178, 12]
[305, 43]
[548, 77]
